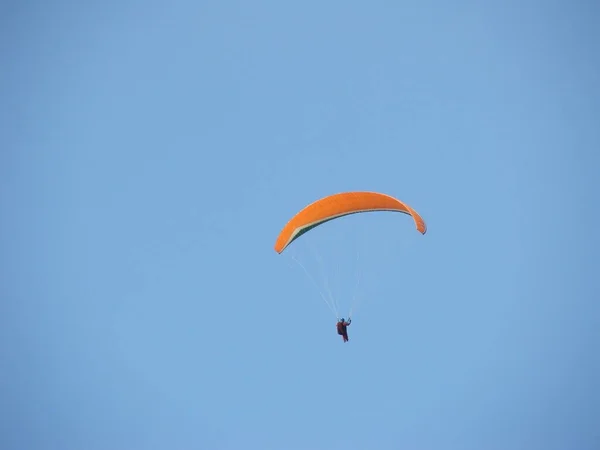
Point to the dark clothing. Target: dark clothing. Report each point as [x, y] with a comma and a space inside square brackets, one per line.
[342, 331]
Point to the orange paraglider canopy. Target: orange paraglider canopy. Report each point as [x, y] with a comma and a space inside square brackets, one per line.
[339, 205]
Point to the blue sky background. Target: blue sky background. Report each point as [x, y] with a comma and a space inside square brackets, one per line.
[152, 151]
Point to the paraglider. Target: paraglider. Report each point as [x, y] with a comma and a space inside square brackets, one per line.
[336, 206]
[342, 328]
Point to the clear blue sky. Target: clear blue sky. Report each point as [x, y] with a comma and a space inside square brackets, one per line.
[152, 151]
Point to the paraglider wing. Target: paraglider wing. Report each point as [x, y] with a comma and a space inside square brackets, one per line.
[339, 205]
